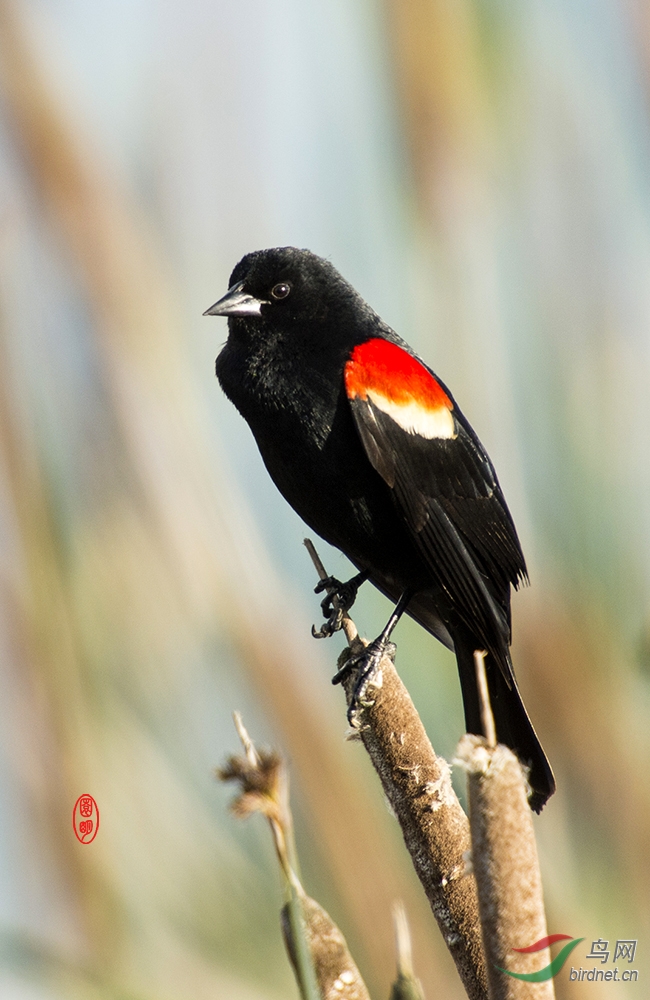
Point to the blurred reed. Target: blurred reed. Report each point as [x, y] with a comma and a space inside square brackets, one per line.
[473, 88]
[166, 557]
[135, 573]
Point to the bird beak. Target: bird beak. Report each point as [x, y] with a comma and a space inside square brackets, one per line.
[236, 302]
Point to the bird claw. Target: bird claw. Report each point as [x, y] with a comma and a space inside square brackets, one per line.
[336, 603]
[368, 665]
[332, 625]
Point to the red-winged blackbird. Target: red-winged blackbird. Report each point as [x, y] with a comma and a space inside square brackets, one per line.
[370, 449]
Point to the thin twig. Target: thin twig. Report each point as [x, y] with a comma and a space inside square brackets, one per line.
[264, 788]
[316, 559]
[317, 950]
[252, 755]
[487, 717]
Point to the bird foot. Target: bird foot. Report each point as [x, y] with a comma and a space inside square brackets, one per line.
[336, 603]
[368, 667]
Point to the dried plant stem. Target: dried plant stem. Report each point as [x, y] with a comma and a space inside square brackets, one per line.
[507, 871]
[301, 959]
[265, 789]
[322, 963]
[336, 972]
[418, 786]
[487, 718]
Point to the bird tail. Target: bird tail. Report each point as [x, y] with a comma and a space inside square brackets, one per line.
[513, 726]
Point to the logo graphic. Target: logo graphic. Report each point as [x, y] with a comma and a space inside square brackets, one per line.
[553, 967]
[85, 819]
[624, 951]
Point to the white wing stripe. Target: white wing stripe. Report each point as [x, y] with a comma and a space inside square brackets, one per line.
[415, 419]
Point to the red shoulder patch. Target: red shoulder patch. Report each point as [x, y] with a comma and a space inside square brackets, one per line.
[386, 376]
[382, 367]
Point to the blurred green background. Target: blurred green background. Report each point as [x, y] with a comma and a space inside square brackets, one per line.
[479, 170]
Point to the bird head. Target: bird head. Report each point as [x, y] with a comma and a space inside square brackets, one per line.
[285, 287]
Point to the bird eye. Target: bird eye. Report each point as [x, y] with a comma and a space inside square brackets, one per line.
[281, 290]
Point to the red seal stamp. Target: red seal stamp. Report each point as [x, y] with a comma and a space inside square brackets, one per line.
[85, 819]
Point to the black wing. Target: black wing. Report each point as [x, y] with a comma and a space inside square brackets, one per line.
[448, 493]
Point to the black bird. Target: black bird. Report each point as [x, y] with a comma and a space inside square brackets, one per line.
[371, 450]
